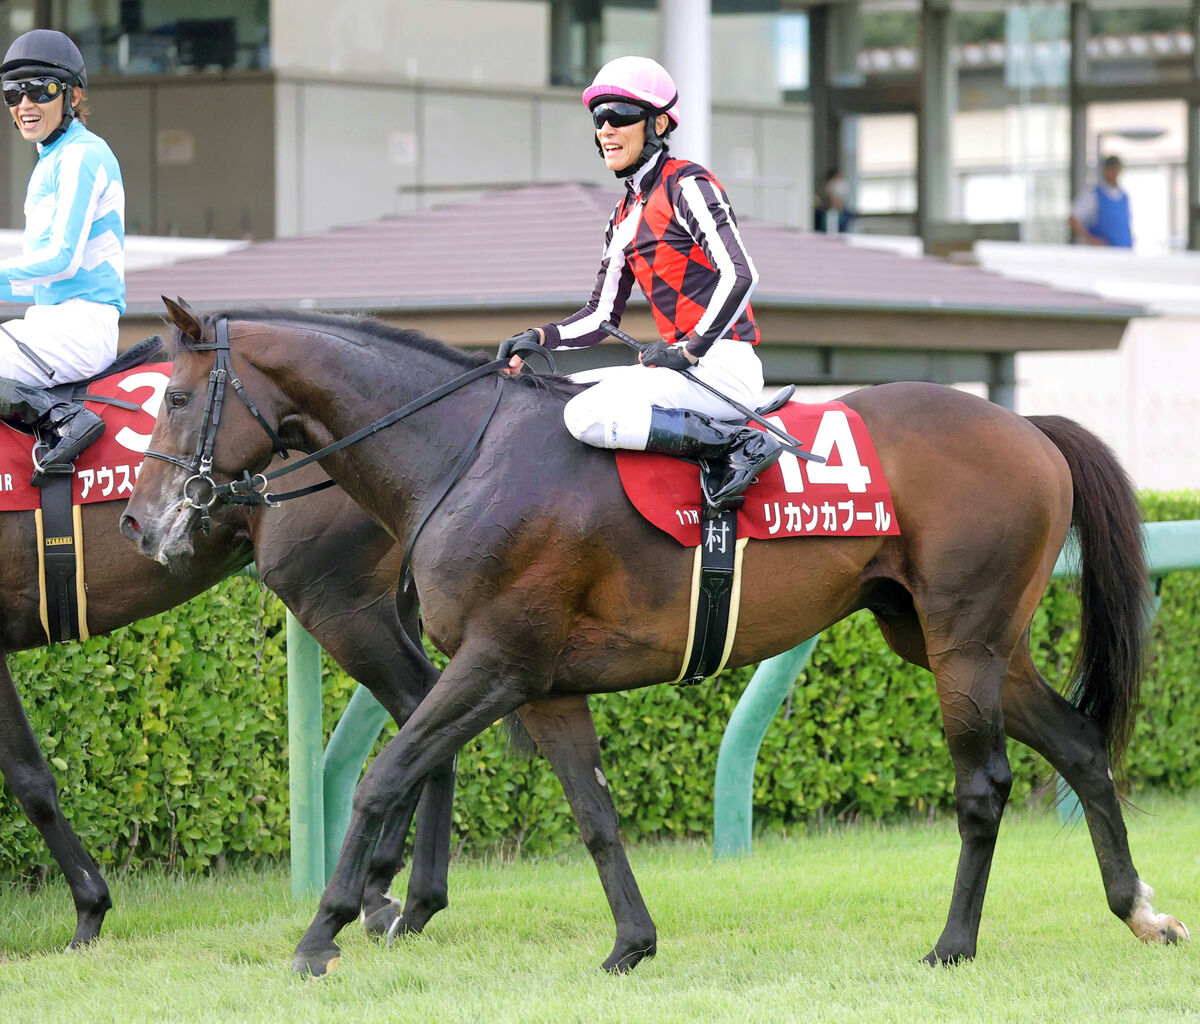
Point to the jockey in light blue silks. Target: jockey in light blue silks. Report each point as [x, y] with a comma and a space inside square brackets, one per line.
[72, 267]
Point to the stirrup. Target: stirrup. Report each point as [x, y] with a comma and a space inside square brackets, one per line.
[41, 470]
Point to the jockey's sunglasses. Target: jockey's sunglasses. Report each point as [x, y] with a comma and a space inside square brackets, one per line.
[40, 90]
[618, 114]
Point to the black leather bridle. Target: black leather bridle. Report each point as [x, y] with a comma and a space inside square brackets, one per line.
[201, 491]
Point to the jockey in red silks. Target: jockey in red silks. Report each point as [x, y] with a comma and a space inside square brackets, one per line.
[675, 234]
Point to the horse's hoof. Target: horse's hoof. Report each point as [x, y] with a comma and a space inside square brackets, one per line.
[81, 941]
[316, 964]
[379, 923]
[935, 959]
[624, 961]
[1165, 929]
[1153, 927]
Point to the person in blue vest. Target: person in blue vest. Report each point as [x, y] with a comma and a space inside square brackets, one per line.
[1101, 215]
[72, 264]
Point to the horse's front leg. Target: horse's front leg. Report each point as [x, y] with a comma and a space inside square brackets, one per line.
[27, 774]
[566, 734]
[477, 688]
[428, 890]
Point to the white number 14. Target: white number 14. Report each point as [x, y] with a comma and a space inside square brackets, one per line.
[832, 433]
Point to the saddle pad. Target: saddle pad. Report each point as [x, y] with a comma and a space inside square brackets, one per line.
[105, 471]
[846, 497]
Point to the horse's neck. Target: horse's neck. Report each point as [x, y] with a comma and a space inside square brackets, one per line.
[339, 397]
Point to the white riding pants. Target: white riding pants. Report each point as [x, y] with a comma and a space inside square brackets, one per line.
[615, 412]
[75, 338]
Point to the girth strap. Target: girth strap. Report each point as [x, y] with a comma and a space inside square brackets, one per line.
[60, 559]
[716, 596]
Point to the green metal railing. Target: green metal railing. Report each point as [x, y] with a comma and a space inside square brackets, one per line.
[1170, 547]
[322, 778]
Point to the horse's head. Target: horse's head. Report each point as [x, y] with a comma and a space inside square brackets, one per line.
[206, 436]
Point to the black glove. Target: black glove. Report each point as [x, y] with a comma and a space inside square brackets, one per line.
[508, 344]
[659, 353]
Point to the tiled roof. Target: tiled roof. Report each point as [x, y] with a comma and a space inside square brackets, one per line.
[540, 245]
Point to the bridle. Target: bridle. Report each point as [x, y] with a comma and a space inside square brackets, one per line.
[200, 491]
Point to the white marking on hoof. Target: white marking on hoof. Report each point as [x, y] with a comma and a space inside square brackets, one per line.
[1151, 927]
[390, 937]
[600, 777]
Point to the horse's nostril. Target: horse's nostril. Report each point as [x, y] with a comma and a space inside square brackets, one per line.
[130, 527]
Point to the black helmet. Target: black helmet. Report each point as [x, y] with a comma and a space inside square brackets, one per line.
[44, 52]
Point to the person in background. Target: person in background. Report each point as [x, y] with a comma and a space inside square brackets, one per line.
[829, 212]
[1100, 216]
[72, 267]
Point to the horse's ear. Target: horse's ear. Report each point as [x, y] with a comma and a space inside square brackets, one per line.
[182, 317]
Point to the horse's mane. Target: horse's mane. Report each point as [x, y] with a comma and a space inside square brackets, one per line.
[361, 327]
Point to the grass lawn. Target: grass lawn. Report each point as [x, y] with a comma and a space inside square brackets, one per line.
[812, 927]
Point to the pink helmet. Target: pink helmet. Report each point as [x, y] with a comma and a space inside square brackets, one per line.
[636, 78]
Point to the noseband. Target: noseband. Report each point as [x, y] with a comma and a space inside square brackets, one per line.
[201, 492]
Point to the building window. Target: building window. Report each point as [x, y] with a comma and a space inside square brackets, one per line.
[141, 37]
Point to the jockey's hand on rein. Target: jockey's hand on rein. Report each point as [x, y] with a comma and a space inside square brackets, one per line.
[508, 344]
[659, 353]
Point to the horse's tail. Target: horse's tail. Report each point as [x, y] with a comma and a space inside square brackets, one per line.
[517, 739]
[1114, 588]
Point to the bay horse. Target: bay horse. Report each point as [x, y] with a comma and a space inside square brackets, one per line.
[540, 582]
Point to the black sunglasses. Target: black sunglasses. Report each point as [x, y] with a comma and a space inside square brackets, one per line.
[618, 114]
[40, 90]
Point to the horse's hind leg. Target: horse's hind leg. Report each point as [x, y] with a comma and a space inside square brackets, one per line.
[566, 735]
[27, 774]
[1036, 715]
[970, 676]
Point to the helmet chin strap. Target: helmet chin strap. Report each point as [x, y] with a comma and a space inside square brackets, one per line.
[67, 118]
[654, 142]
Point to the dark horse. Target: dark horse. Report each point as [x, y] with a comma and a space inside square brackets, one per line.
[354, 614]
[539, 580]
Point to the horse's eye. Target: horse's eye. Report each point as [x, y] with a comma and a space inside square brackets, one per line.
[178, 399]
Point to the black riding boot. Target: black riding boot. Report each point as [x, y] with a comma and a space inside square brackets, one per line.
[73, 424]
[742, 452]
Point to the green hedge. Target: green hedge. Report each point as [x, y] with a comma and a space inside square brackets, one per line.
[169, 738]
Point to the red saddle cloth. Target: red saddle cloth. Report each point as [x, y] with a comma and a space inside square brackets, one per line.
[106, 471]
[846, 497]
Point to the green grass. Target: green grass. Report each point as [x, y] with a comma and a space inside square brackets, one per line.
[811, 927]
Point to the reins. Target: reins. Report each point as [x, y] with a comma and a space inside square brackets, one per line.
[252, 490]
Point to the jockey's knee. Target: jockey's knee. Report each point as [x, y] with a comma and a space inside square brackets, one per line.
[607, 424]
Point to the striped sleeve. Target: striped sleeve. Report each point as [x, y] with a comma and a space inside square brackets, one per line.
[703, 209]
[82, 180]
[613, 285]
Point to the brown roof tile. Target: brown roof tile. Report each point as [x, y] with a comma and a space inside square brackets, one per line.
[541, 244]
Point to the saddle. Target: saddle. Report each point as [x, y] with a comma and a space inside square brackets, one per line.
[59, 526]
[76, 391]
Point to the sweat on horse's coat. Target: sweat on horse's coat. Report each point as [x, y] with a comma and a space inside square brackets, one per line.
[540, 583]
